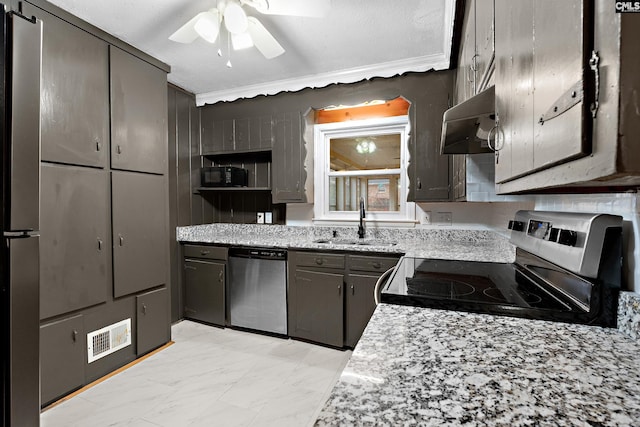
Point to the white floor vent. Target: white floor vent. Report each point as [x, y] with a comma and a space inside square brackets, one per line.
[108, 339]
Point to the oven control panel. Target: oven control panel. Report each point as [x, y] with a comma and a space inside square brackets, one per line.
[571, 240]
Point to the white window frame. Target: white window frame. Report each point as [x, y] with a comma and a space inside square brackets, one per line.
[323, 133]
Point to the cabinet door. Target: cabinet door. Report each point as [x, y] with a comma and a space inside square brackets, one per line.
[560, 69]
[514, 88]
[318, 300]
[153, 327]
[138, 114]
[484, 39]
[261, 132]
[75, 95]
[62, 358]
[360, 305]
[288, 168]
[466, 77]
[204, 291]
[74, 243]
[140, 232]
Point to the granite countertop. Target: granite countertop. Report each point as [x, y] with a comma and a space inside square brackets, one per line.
[469, 245]
[420, 366]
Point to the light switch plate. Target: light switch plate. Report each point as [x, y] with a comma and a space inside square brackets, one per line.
[268, 217]
[260, 218]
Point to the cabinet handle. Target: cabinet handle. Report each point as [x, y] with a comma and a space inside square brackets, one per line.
[144, 309]
[298, 186]
[353, 290]
[376, 264]
[121, 239]
[419, 184]
[74, 335]
[203, 252]
[118, 149]
[188, 267]
[99, 244]
[98, 145]
[220, 275]
[339, 289]
[319, 261]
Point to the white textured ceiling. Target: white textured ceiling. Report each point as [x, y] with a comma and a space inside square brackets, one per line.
[357, 39]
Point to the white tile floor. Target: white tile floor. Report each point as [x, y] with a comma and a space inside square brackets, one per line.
[211, 377]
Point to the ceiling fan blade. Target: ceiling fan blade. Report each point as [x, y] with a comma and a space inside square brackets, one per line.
[263, 40]
[309, 8]
[187, 33]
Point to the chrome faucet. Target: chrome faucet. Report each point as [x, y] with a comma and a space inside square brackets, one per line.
[362, 216]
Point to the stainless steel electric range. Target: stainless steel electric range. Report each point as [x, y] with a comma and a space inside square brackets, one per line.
[568, 268]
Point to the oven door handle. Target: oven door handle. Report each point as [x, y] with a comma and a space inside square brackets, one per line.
[379, 282]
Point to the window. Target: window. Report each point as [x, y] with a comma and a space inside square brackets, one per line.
[362, 159]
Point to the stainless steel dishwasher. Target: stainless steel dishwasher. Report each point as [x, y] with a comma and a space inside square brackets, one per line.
[258, 289]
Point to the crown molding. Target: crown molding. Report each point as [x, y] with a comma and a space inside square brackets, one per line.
[352, 75]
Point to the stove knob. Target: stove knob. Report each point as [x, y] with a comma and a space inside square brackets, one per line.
[567, 237]
[516, 225]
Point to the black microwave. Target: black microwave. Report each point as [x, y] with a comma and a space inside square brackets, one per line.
[224, 176]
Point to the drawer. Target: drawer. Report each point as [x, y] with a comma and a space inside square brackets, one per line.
[312, 259]
[371, 263]
[205, 252]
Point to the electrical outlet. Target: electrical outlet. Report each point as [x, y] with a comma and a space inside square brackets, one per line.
[268, 217]
[427, 218]
[260, 217]
[442, 218]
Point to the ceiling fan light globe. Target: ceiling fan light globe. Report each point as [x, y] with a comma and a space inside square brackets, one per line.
[235, 19]
[207, 27]
[241, 41]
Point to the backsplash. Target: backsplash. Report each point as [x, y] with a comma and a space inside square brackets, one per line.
[629, 314]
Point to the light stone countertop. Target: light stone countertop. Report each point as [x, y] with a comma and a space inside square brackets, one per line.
[469, 245]
[420, 366]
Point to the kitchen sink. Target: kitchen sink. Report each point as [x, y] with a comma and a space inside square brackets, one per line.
[351, 242]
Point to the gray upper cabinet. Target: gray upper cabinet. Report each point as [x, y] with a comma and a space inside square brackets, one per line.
[138, 114]
[476, 50]
[542, 105]
[75, 240]
[140, 232]
[239, 135]
[152, 315]
[288, 172]
[75, 94]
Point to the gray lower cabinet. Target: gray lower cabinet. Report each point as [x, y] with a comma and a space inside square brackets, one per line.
[152, 320]
[360, 305]
[204, 291]
[75, 93]
[62, 358]
[138, 114]
[331, 294]
[140, 232]
[316, 306]
[363, 273]
[75, 242]
[204, 283]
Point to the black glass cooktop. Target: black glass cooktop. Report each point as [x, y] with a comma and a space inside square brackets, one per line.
[476, 286]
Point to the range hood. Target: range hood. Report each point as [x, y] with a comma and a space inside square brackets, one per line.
[466, 127]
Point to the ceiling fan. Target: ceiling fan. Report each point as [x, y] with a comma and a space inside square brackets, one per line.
[246, 31]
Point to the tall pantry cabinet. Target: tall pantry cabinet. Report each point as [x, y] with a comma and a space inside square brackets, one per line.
[104, 201]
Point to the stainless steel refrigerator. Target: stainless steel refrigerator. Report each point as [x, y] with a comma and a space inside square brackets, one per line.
[20, 73]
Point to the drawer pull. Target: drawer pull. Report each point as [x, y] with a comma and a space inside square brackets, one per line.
[204, 252]
[319, 261]
[376, 264]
